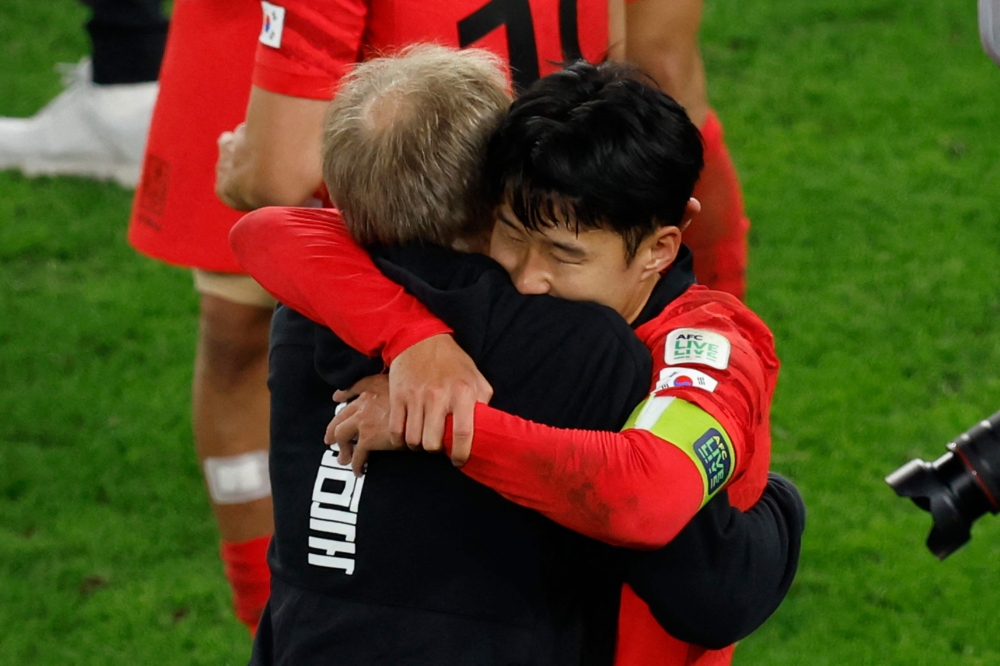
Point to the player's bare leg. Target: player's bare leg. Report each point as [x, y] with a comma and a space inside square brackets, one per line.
[662, 38]
[231, 413]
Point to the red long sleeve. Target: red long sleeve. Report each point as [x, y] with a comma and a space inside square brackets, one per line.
[305, 258]
[627, 489]
[635, 488]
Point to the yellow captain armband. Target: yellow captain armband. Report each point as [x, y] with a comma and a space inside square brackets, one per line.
[692, 430]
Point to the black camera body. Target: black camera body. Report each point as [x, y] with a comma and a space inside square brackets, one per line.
[957, 488]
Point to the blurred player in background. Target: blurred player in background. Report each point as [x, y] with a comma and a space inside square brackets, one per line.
[204, 87]
[97, 127]
[273, 158]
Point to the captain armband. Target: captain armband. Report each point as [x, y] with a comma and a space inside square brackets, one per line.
[692, 430]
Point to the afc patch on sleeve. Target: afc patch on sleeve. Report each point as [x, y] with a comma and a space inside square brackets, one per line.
[695, 346]
[274, 23]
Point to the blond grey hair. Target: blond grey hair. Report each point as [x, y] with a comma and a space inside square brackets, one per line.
[404, 144]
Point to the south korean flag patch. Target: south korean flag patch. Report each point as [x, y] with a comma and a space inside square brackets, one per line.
[274, 24]
[693, 346]
[685, 378]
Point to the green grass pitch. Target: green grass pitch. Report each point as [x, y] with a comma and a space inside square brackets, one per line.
[866, 136]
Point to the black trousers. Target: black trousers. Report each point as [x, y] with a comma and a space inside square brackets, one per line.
[127, 40]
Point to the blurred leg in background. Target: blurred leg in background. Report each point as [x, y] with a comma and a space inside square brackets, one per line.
[231, 409]
[662, 38]
[97, 127]
[177, 219]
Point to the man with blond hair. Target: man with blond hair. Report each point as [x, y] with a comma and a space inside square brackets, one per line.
[271, 80]
[413, 562]
[409, 134]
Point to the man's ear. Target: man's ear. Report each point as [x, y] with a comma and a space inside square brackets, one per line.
[661, 247]
[691, 210]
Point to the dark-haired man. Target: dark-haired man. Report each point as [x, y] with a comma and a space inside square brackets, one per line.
[267, 236]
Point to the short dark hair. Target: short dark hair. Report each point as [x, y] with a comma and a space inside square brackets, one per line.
[596, 146]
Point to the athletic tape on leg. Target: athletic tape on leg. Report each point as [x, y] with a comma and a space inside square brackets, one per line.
[238, 479]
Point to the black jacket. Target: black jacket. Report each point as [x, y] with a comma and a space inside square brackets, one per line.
[417, 564]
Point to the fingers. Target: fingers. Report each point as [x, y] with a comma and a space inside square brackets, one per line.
[346, 453]
[329, 437]
[484, 392]
[428, 381]
[406, 414]
[414, 427]
[343, 431]
[463, 427]
[343, 413]
[397, 418]
[435, 414]
[361, 425]
[359, 460]
[345, 395]
[346, 434]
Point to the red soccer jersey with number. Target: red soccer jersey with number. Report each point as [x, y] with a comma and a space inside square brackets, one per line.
[309, 45]
[304, 48]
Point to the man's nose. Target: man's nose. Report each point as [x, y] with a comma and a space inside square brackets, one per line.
[532, 278]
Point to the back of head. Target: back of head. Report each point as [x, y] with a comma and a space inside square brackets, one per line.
[596, 146]
[405, 141]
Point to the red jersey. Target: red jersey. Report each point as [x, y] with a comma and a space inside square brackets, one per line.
[705, 425]
[303, 49]
[311, 44]
[204, 88]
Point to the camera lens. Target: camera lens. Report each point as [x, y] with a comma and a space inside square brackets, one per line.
[958, 487]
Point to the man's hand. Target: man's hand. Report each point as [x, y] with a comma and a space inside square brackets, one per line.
[363, 425]
[427, 382]
[229, 144]
[273, 159]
